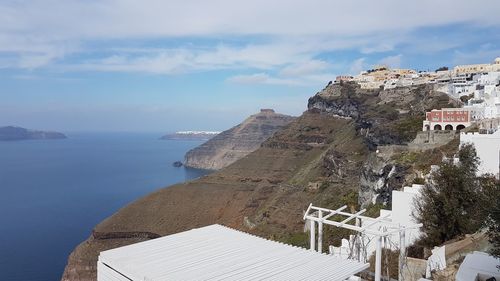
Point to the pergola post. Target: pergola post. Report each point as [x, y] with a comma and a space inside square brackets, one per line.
[320, 232]
[402, 254]
[378, 259]
[312, 228]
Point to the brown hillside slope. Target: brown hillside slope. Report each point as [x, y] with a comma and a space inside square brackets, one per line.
[258, 187]
[319, 158]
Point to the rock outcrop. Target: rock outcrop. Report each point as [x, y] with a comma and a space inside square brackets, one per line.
[323, 157]
[11, 133]
[237, 142]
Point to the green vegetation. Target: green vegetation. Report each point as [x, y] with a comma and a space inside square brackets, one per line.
[407, 128]
[324, 185]
[334, 235]
[442, 68]
[299, 239]
[493, 221]
[422, 160]
[383, 110]
[466, 98]
[351, 200]
[457, 202]
[390, 263]
[406, 158]
[373, 210]
[419, 181]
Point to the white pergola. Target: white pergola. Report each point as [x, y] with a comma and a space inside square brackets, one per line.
[380, 227]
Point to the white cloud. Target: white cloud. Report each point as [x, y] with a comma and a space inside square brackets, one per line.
[157, 18]
[40, 33]
[357, 66]
[261, 78]
[381, 47]
[391, 61]
[482, 54]
[304, 68]
[32, 61]
[181, 60]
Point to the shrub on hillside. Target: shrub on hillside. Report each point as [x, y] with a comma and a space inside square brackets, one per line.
[493, 221]
[456, 202]
[407, 128]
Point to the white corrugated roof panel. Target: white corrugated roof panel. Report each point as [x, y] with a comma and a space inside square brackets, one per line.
[217, 252]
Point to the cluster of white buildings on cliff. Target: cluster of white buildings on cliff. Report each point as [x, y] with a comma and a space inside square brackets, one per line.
[457, 82]
[476, 85]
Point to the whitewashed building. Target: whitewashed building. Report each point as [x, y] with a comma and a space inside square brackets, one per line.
[402, 212]
[478, 266]
[487, 148]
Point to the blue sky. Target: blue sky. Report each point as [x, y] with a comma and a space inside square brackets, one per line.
[123, 65]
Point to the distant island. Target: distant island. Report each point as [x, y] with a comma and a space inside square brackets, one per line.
[11, 133]
[190, 135]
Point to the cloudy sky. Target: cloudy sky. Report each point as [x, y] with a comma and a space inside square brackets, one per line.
[166, 65]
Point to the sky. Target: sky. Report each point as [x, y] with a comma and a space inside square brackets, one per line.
[168, 65]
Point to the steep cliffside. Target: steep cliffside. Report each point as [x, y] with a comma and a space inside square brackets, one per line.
[237, 142]
[320, 157]
[388, 120]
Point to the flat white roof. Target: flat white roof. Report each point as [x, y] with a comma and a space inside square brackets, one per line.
[217, 252]
[478, 263]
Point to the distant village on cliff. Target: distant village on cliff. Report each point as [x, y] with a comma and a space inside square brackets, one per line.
[476, 86]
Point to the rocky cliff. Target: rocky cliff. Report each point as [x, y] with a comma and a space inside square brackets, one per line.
[327, 156]
[388, 120]
[11, 133]
[237, 142]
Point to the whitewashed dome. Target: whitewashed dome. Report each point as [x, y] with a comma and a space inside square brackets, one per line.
[497, 60]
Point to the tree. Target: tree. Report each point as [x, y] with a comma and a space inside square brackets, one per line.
[442, 68]
[493, 222]
[452, 204]
[466, 98]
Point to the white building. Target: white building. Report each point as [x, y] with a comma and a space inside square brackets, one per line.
[478, 266]
[490, 78]
[487, 148]
[403, 208]
[402, 211]
[477, 68]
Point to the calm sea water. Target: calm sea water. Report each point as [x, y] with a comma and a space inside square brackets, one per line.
[52, 193]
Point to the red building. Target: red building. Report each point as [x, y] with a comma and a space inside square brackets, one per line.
[447, 119]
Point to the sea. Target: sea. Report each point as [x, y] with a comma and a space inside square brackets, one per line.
[53, 192]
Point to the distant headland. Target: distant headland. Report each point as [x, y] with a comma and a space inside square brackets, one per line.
[11, 133]
[190, 135]
[237, 142]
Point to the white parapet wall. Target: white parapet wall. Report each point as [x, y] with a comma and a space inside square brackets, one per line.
[487, 148]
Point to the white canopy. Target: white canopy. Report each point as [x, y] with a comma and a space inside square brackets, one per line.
[217, 252]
